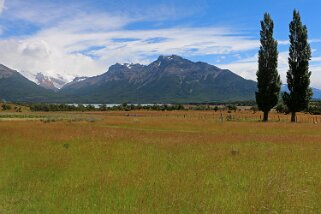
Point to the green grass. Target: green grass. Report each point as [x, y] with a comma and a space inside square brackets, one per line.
[159, 165]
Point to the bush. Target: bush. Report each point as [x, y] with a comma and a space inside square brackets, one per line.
[18, 109]
[5, 107]
[60, 107]
[281, 108]
[254, 109]
[314, 108]
[229, 117]
[231, 107]
[103, 107]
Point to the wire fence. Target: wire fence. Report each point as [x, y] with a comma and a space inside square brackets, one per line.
[223, 116]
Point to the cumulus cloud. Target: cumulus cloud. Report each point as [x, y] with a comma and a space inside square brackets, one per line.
[247, 68]
[33, 56]
[1, 5]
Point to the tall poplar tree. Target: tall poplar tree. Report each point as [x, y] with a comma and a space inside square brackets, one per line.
[298, 75]
[268, 78]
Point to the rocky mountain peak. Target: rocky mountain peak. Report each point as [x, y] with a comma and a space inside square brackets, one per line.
[48, 82]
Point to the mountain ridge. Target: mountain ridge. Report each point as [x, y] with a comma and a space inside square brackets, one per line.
[168, 79]
[15, 87]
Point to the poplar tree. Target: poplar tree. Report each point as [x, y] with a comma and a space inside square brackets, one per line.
[298, 75]
[268, 78]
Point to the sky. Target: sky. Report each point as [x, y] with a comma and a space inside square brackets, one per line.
[73, 38]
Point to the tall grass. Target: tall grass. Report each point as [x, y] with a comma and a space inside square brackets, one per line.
[162, 163]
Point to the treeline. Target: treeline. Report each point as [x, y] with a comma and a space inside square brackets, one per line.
[124, 107]
[9, 107]
[232, 103]
[314, 107]
[155, 107]
[130, 107]
[60, 107]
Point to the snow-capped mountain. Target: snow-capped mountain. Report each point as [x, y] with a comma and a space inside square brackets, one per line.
[55, 82]
[50, 82]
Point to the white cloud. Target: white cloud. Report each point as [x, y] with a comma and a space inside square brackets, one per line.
[33, 56]
[2, 5]
[316, 59]
[247, 68]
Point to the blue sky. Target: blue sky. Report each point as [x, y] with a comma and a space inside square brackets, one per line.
[84, 37]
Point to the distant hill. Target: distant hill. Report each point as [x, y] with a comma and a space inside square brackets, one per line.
[17, 88]
[169, 79]
[316, 92]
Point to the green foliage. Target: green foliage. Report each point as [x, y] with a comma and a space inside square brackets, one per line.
[54, 107]
[231, 107]
[269, 83]
[61, 107]
[254, 109]
[314, 108]
[282, 108]
[103, 107]
[66, 145]
[81, 107]
[124, 107]
[18, 109]
[150, 107]
[6, 107]
[298, 76]
[90, 108]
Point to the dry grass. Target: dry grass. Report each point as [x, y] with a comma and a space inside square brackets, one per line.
[160, 162]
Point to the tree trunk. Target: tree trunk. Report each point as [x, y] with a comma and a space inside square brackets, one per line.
[266, 116]
[293, 117]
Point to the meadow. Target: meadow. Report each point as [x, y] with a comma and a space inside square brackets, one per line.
[159, 162]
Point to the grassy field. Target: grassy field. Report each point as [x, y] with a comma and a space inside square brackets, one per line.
[158, 162]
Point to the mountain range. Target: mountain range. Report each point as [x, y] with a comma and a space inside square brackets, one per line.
[169, 79]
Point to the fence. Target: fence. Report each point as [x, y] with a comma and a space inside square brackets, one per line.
[222, 116]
